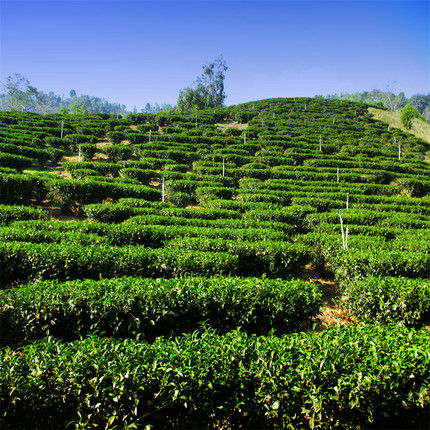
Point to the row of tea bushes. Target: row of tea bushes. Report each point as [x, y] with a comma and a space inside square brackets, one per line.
[346, 377]
[23, 262]
[11, 213]
[83, 254]
[255, 258]
[406, 255]
[389, 300]
[137, 231]
[128, 307]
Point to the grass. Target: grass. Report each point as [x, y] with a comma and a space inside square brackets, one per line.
[419, 127]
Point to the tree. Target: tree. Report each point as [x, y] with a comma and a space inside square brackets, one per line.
[19, 93]
[209, 88]
[74, 109]
[72, 93]
[192, 99]
[212, 80]
[407, 115]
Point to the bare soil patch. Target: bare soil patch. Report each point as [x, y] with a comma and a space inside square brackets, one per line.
[332, 311]
[231, 123]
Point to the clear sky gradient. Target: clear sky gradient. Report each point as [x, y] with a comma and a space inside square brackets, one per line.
[134, 52]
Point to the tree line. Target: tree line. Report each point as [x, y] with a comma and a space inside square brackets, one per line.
[389, 100]
[208, 91]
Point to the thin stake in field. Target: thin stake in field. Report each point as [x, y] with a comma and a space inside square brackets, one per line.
[162, 190]
[79, 152]
[223, 166]
[337, 176]
[150, 136]
[320, 144]
[244, 138]
[344, 234]
[62, 127]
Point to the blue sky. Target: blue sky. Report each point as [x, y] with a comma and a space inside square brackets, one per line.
[139, 51]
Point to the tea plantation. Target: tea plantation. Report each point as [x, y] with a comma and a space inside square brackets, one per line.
[152, 269]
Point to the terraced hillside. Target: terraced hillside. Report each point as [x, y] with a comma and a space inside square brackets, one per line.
[158, 271]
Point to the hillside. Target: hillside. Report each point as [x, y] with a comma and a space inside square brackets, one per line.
[264, 265]
[419, 128]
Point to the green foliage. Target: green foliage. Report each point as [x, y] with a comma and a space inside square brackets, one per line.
[118, 152]
[71, 194]
[18, 162]
[128, 307]
[345, 377]
[115, 137]
[9, 214]
[179, 199]
[407, 115]
[209, 90]
[20, 189]
[389, 300]
[22, 262]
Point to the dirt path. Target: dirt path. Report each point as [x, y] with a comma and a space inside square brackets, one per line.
[332, 312]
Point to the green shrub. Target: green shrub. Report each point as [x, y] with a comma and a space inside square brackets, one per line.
[345, 377]
[22, 262]
[179, 199]
[389, 300]
[127, 307]
[143, 176]
[14, 161]
[118, 152]
[9, 214]
[115, 137]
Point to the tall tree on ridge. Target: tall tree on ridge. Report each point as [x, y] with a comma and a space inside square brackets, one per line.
[209, 89]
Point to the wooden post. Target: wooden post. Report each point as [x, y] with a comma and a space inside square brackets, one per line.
[346, 238]
[320, 144]
[333, 120]
[337, 173]
[162, 190]
[347, 200]
[79, 152]
[223, 166]
[262, 122]
[196, 120]
[150, 136]
[399, 151]
[244, 138]
[305, 106]
[273, 115]
[62, 127]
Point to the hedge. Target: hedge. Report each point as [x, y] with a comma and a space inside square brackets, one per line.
[10, 213]
[128, 307]
[23, 262]
[345, 377]
[389, 300]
